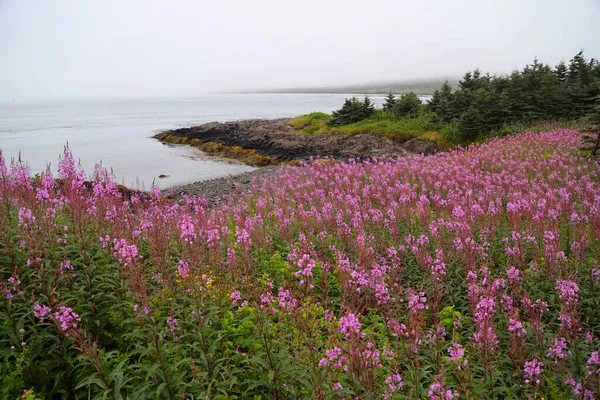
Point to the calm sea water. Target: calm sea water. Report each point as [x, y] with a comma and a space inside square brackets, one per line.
[119, 133]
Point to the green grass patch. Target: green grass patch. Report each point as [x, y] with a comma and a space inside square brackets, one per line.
[309, 120]
[381, 124]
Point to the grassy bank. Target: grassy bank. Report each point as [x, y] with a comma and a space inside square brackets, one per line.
[401, 129]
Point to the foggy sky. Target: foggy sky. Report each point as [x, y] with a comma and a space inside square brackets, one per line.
[70, 49]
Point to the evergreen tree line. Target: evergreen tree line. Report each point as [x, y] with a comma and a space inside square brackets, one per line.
[354, 110]
[482, 103]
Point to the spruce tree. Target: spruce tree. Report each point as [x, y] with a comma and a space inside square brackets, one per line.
[352, 111]
[440, 104]
[561, 72]
[471, 124]
[368, 108]
[390, 101]
[408, 104]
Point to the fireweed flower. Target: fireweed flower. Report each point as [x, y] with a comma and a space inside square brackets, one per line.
[513, 274]
[13, 287]
[457, 355]
[305, 265]
[593, 364]
[394, 382]
[485, 336]
[416, 301]
[350, 325]
[187, 230]
[558, 350]
[65, 317]
[25, 217]
[242, 238]
[589, 338]
[515, 326]
[371, 356]
[568, 291]
[172, 326]
[332, 355]
[183, 268]
[576, 387]
[125, 253]
[532, 371]
[286, 300]
[235, 297]
[41, 311]
[65, 266]
[437, 392]
[438, 267]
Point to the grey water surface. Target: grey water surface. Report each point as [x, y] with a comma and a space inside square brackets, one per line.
[119, 132]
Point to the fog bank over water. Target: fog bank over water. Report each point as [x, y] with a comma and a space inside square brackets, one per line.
[67, 49]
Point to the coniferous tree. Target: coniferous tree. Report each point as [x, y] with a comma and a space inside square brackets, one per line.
[440, 104]
[407, 104]
[368, 108]
[390, 101]
[352, 111]
[471, 124]
[561, 72]
[580, 69]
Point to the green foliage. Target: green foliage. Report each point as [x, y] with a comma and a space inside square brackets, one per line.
[314, 119]
[440, 104]
[11, 371]
[381, 124]
[352, 111]
[471, 124]
[389, 103]
[592, 142]
[482, 103]
[407, 105]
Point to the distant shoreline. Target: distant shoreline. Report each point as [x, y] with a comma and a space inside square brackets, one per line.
[372, 92]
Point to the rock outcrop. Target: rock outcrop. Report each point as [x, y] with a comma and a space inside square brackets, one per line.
[275, 139]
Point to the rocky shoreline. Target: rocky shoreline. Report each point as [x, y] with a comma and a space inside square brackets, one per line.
[277, 142]
[268, 143]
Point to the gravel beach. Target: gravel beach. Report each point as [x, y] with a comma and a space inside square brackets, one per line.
[220, 188]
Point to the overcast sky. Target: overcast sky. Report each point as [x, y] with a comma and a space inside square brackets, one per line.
[63, 49]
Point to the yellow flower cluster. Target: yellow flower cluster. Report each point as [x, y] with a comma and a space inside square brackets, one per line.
[202, 282]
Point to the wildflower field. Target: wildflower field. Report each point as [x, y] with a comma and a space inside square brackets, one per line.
[468, 274]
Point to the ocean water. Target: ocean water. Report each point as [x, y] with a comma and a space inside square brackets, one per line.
[119, 133]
